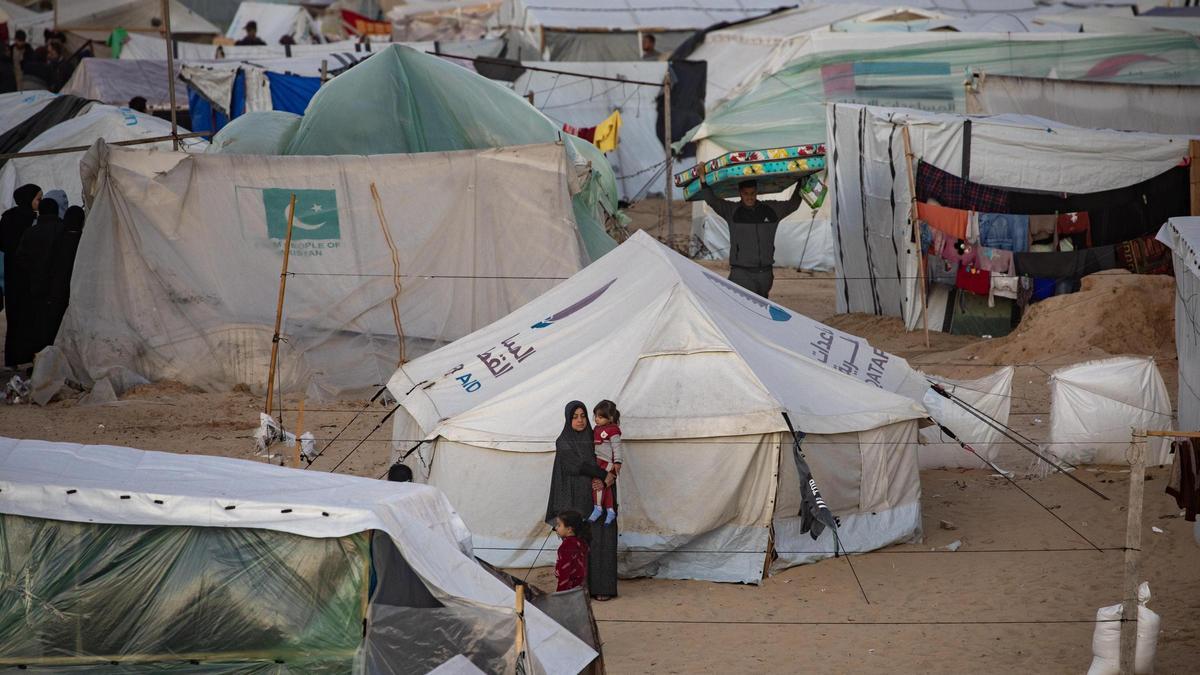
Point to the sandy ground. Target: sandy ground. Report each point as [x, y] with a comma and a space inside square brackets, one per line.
[925, 603]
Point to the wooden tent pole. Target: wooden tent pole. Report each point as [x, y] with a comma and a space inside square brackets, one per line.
[520, 607]
[1133, 544]
[912, 216]
[669, 194]
[166, 9]
[1194, 175]
[287, 249]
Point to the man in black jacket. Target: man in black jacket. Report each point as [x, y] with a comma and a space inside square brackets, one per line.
[752, 228]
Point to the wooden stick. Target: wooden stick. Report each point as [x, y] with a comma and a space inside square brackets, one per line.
[166, 9]
[395, 300]
[287, 249]
[669, 195]
[85, 148]
[1194, 175]
[299, 430]
[1173, 434]
[1133, 544]
[520, 605]
[912, 216]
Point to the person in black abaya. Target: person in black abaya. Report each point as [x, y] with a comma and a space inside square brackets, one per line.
[62, 264]
[18, 306]
[571, 490]
[34, 257]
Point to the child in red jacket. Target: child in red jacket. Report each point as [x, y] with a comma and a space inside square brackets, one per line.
[572, 565]
[608, 456]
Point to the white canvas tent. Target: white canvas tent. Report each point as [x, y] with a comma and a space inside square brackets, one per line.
[275, 21]
[584, 102]
[1095, 405]
[95, 19]
[702, 371]
[1182, 235]
[116, 81]
[184, 277]
[877, 264]
[581, 30]
[62, 171]
[124, 486]
[18, 106]
[1157, 108]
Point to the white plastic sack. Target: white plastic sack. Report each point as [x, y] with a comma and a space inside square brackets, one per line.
[1106, 640]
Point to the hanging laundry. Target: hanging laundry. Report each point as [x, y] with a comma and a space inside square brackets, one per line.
[1076, 222]
[959, 251]
[586, 133]
[951, 221]
[608, 132]
[950, 190]
[1184, 482]
[1042, 227]
[942, 271]
[1066, 265]
[1004, 287]
[1145, 255]
[973, 280]
[1116, 215]
[1042, 289]
[996, 261]
[1004, 231]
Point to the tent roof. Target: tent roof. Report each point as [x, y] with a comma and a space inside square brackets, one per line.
[116, 81]
[274, 21]
[685, 352]
[1032, 153]
[109, 484]
[634, 15]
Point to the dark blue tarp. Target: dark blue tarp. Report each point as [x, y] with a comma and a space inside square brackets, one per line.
[203, 115]
[291, 93]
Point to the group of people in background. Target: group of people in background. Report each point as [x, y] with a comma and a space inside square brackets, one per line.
[39, 237]
[51, 63]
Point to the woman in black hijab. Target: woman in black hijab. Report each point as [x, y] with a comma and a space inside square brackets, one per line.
[18, 305]
[571, 490]
[62, 264]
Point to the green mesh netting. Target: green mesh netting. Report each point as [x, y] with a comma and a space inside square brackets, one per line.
[257, 133]
[789, 106]
[83, 595]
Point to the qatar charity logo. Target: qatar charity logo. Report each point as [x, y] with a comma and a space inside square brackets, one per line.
[316, 214]
[564, 313]
[756, 304]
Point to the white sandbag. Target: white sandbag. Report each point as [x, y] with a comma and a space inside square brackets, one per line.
[1106, 639]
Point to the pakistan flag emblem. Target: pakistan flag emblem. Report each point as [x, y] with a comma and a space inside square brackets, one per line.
[316, 214]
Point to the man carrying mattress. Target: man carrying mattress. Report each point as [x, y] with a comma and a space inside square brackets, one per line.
[752, 227]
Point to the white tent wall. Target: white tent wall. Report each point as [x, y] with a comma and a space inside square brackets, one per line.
[887, 512]
[127, 486]
[990, 396]
[1095, 405]
[18, 106]
[876, 261]
[185, 278]
[1183, 236]
[585, 102]
[1158, 108]
[116, 82]
[62, 171]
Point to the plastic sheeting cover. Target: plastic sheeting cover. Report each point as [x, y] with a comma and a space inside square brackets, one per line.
[185, 279]
[1095, 405]
[256, 133]
[115, 82]
[18, 106]
[95, 592]
[404, 101]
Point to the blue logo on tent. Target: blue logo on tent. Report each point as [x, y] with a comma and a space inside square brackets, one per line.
[757, 304]
[564, 313]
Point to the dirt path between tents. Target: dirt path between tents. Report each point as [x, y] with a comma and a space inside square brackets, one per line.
[928, 607]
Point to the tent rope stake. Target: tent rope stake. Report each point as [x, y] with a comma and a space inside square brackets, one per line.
[287, 249]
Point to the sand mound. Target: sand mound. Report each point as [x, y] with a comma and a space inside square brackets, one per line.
[1114, 312]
